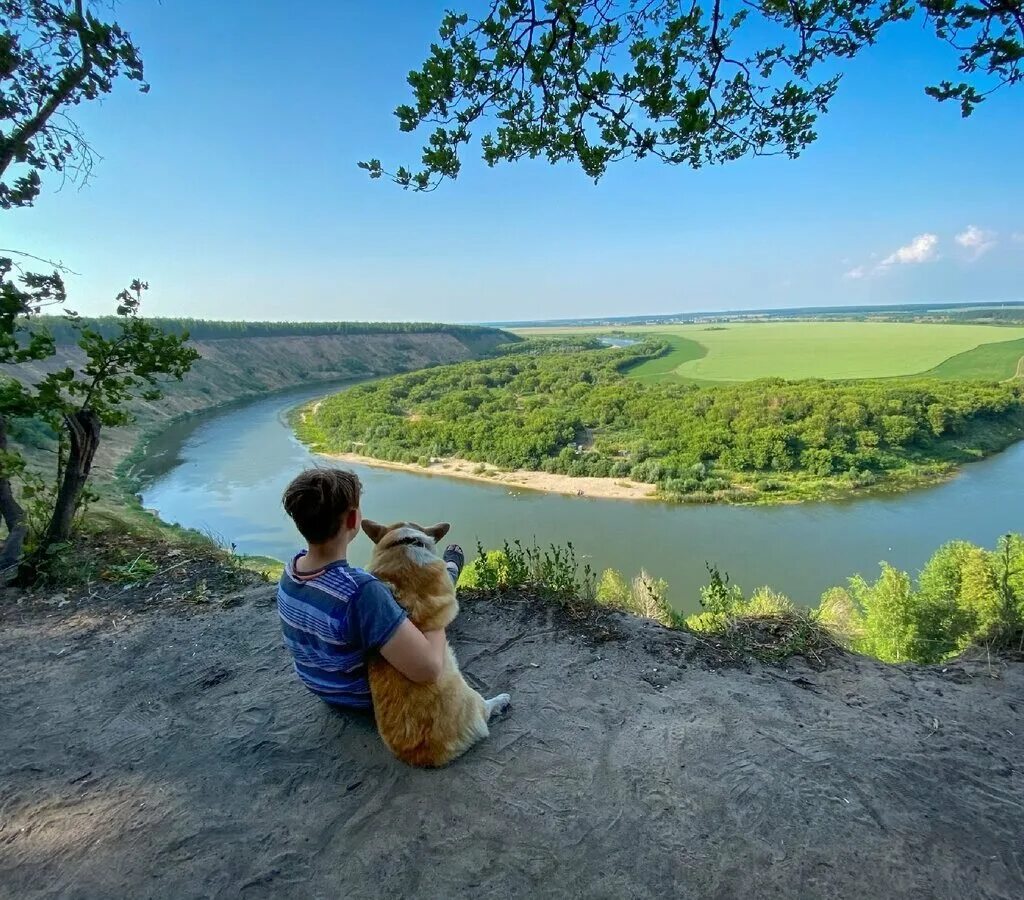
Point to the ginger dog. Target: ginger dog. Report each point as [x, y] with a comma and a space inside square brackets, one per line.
[423, 724]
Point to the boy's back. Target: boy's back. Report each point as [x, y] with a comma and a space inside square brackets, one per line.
[331, 618]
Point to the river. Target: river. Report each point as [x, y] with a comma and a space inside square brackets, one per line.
[223, 472]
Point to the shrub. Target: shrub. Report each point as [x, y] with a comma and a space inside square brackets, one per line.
[718, 597]
[612, 589]
[554, 570]
[765, 602]
[838, 614]
[889, 615]
[964, 596]
[648, 598]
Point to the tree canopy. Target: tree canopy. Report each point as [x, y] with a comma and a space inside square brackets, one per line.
[54, 55]
[597, 81]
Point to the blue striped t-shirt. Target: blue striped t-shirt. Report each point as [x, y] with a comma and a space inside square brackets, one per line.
[330, 619]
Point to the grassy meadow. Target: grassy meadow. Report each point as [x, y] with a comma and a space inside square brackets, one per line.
[831, 350]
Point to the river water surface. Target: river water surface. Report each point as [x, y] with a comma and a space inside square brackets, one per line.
[224, 471]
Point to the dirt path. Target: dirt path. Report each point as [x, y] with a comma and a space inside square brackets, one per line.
[173, 754]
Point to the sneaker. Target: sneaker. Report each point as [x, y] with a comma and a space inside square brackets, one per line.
[454, 559]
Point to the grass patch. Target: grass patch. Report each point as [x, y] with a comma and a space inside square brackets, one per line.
[681, 350]
[767, 625]
[773, 639]
[989, 362]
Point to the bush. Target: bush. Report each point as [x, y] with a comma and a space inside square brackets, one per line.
[837, 613]
[767, 625]
[765, 602]
[964, 596]
[648, 599]
[612, 589]
[889, 614]
[554, 570]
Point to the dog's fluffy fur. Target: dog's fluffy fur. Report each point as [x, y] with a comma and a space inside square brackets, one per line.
[423, 724]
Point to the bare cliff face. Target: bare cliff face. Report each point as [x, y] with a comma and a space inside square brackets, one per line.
[236, 368]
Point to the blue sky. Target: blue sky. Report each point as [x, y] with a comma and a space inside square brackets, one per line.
[232, 187]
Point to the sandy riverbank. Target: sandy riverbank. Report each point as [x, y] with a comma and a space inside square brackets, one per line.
[604, 488]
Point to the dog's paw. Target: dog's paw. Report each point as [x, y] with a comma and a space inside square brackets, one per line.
[498, 706]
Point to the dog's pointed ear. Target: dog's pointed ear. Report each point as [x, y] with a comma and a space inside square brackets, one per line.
[374, 531]
[438, 531]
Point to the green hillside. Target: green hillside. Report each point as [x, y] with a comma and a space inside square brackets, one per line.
[992, 362]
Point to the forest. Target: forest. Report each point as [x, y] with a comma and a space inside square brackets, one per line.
[64, 331]
[566, 407]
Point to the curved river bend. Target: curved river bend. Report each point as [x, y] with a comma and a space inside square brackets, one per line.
[224, 471]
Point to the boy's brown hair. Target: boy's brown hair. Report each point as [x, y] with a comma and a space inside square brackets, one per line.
[318, 499]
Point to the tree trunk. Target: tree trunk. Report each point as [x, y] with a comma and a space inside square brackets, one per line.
[84, 438]
[14, 517]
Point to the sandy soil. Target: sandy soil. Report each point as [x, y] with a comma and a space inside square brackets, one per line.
[607, 488]
[172, 753]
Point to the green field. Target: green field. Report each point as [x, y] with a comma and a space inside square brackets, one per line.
[664, 367]
[831, 350]
[990, 361]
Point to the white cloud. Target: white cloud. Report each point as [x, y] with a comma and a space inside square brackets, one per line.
[855, 272]
[920, 250]
[976, 240]
[1018, 236]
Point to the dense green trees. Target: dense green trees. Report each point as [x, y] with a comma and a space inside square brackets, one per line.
[212, 330]
[567, 408]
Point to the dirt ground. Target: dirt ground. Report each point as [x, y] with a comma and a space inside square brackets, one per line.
[171, 753]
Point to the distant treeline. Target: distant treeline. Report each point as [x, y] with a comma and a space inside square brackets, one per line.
[1008, 314]
[213, 330]
[1012, 310]
[570, 410]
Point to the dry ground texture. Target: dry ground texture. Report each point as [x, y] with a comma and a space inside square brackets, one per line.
[167, 751]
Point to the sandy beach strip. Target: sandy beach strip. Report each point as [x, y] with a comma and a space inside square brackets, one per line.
[549, 482]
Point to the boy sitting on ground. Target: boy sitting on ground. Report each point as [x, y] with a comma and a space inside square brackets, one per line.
[333, 614]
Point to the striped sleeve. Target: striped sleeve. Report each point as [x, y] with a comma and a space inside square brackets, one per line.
[374, 615]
